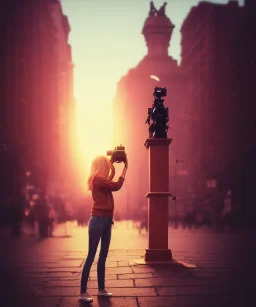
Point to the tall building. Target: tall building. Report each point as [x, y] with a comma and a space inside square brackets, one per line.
[35, 90]
[248, 56]
[214, 62]
[134, 96]
[64, 90]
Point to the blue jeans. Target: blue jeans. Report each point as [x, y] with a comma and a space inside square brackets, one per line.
[99, 228]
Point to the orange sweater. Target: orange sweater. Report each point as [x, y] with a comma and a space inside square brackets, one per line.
[103, 201]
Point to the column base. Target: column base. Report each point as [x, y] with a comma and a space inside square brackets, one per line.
[158, 255]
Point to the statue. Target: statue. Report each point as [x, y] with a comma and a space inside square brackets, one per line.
[154, 12]
[161, 11]
[159, 115]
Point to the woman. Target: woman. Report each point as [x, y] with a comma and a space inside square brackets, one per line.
[101, 185]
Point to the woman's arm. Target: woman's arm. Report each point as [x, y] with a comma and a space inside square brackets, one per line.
[103, 183]
[108, 184]
[125, 167]
[124, 172]
[112, 174]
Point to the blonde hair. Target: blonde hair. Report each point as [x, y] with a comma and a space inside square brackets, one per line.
[100, 166]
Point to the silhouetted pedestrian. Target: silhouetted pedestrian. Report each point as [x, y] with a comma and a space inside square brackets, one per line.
[17, 215]
[42, 215]
[51, 219]
[144, 219]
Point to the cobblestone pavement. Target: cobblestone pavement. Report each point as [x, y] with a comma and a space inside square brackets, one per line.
[46, 273]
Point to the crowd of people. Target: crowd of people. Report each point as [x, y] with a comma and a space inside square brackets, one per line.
[218, 217]
[40, 213]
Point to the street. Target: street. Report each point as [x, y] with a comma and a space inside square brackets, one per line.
[46, 272]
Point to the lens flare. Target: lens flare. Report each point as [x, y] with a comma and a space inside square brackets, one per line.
[154, 77]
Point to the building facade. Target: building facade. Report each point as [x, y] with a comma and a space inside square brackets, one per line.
[214, 62]
[35, 90]
[66, 111]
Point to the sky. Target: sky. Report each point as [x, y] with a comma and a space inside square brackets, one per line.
[106, 42]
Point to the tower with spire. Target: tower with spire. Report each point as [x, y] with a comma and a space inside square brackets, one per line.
[157, 31]
[134, 95]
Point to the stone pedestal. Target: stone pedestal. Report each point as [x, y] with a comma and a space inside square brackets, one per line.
[158, 200]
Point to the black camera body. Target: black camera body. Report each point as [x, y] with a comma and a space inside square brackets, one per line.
[159, 115]
[160, 92]
[117, 154]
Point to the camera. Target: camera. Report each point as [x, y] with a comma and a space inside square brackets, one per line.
[117, 154]
[159, 115]
[160, 92]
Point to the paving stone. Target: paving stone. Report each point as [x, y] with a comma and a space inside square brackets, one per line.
[188, 287]
[53, 269]
[111, 264]
[213, 290]
[33, 289]
[165, 274]
[76, 255]
[37, 281]
[137, 269]
[74, 291]
[70, 263]
[51, 274]
[74, 251]
[42, 302]
[91, 283]
[123, 263]
[150, 282]
[135, 251]
[118, 270]
[63, 283]
[40, 259]
[190, 301]
[123, 257]
[202, 274]
[135, 275]
[155, 302]
[160, 268]
[170, 273]
[107, 277]
[60, 264]
[100, 302]
[73, 258]
[225, 270]
[179, 282]
[215, 265]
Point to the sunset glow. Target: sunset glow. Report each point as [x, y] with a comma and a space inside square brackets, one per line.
[94, 125]
[106, 42]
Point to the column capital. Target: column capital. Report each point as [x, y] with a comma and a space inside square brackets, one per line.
[157, 142]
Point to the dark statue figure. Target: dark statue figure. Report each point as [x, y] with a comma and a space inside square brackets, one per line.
[158, 114]
[154, 12]
[161, 11]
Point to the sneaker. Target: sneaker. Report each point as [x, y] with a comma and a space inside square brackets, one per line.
[85, 297]
[104, 293]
